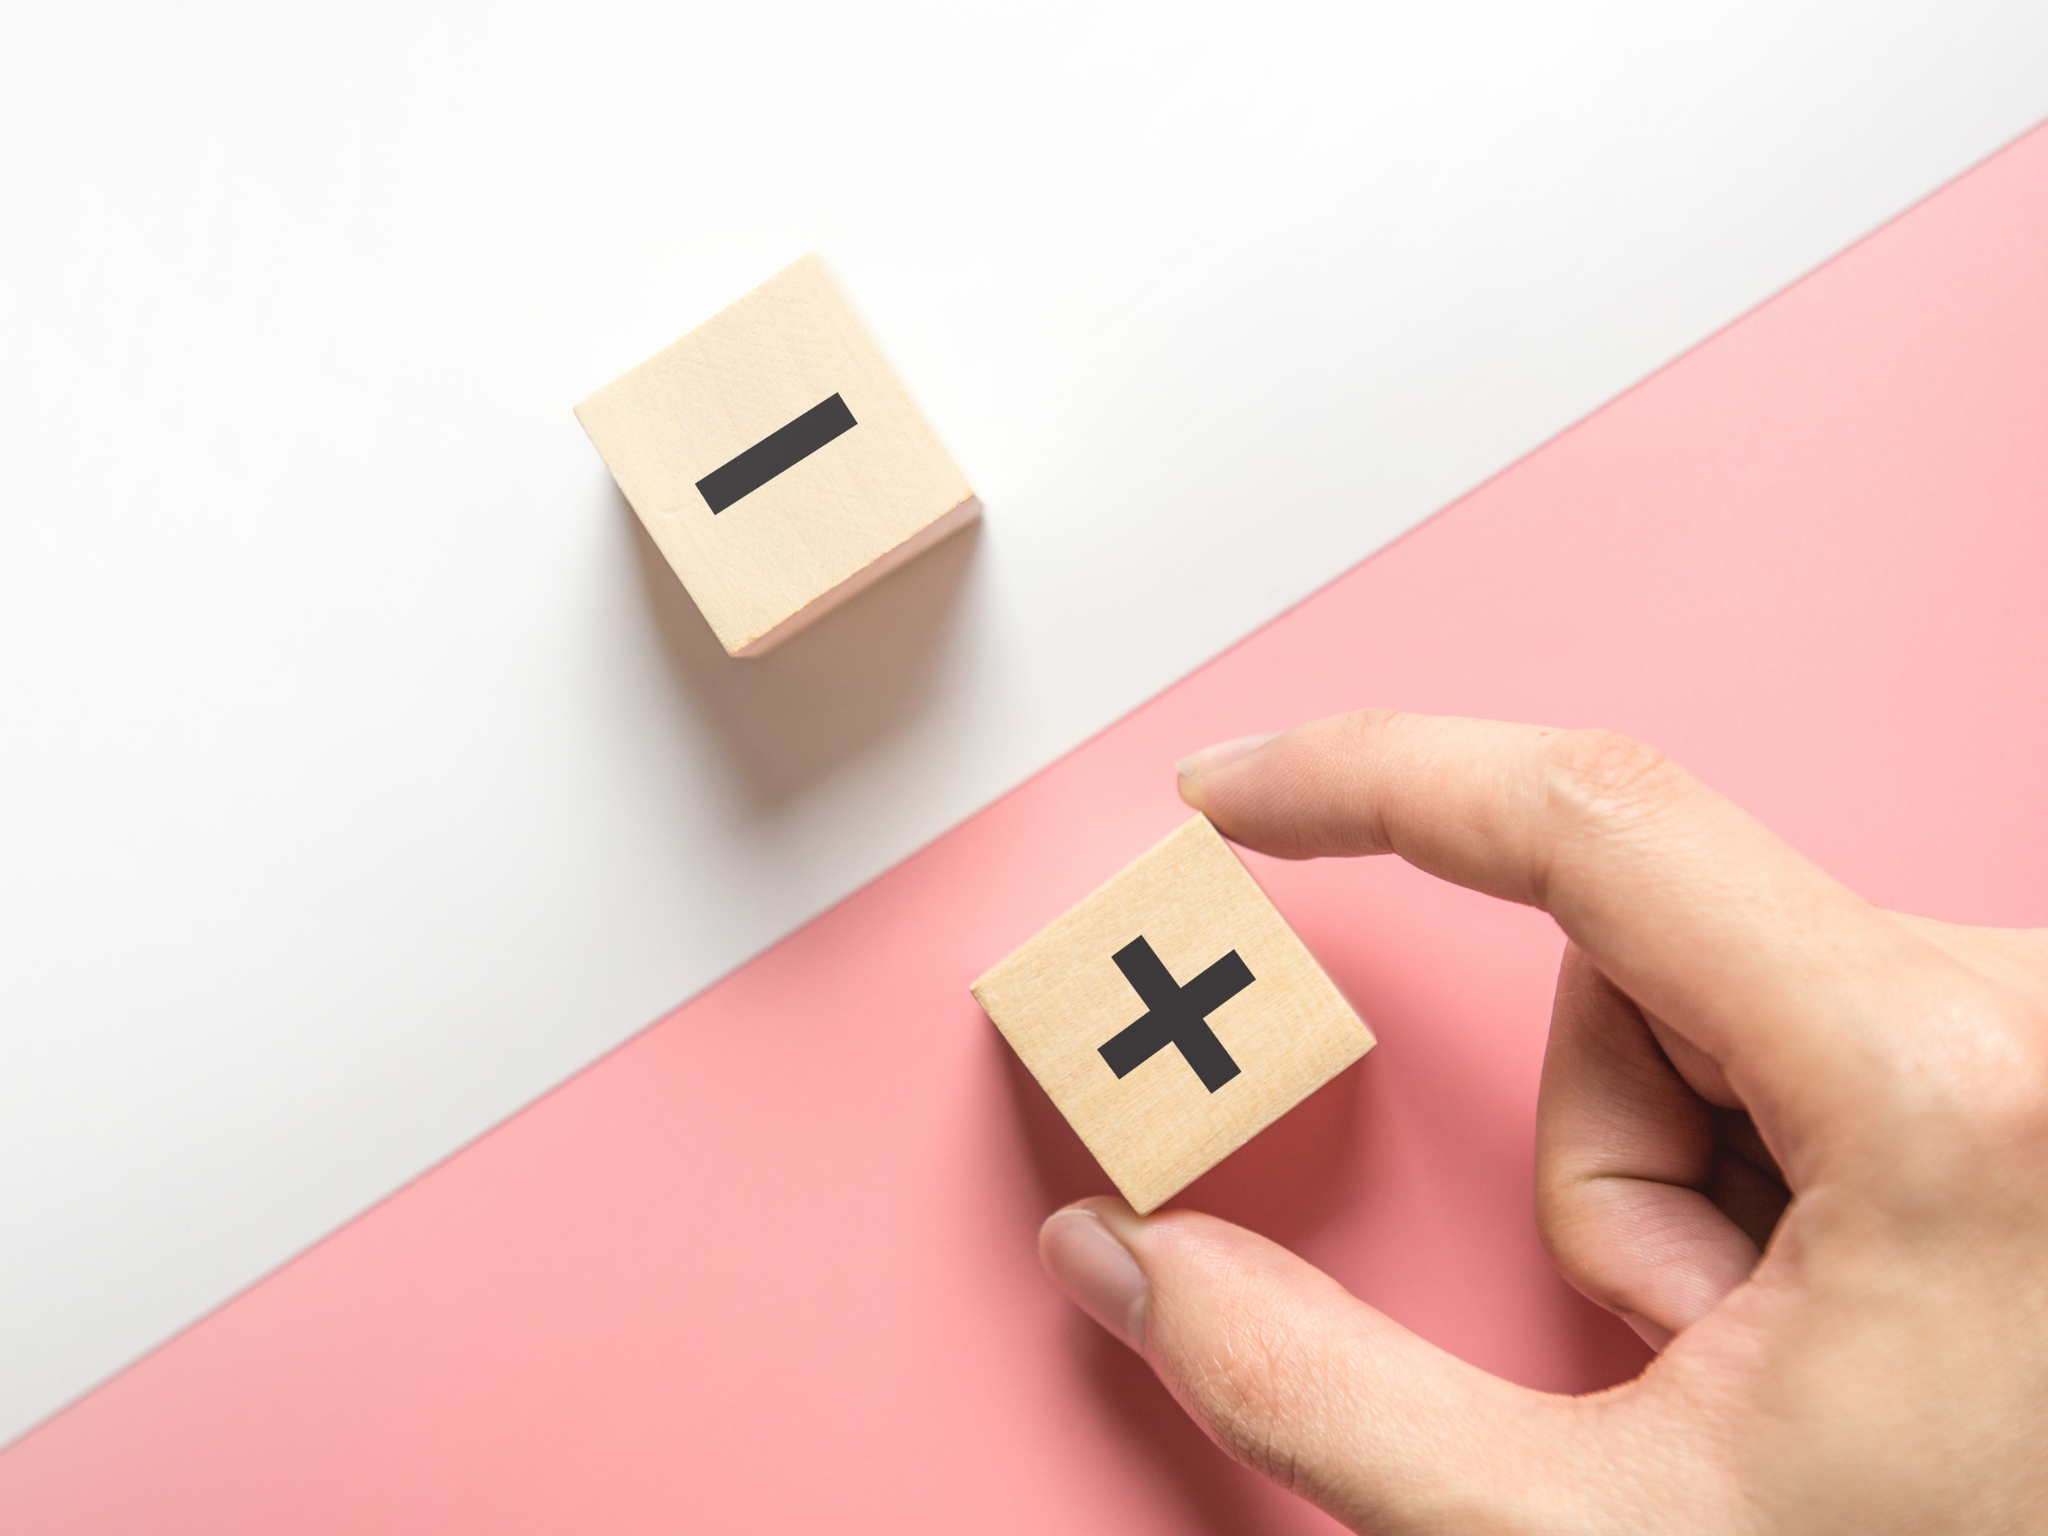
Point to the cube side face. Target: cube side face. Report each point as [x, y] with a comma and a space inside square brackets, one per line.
[748, 372]
[1062, 997]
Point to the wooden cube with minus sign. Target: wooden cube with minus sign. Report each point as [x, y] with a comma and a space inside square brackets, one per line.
[776, 459]
[1173, 1015]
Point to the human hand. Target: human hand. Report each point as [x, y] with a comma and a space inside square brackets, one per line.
[1799, 1143]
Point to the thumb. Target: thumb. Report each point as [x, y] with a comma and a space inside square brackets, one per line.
[1304, 1383]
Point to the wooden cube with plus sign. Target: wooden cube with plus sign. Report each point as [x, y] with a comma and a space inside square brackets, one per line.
[1173, 1015]
[776, 459]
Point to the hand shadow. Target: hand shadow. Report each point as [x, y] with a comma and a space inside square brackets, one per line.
[1284, 1183]
[834, 688]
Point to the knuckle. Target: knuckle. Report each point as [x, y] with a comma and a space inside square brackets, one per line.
[1964, 1125]
[1559, 1205]
[1569, 1225]
[1607, 777]
[1986, 1073]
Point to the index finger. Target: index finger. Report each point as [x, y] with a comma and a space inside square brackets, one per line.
[1696, 910]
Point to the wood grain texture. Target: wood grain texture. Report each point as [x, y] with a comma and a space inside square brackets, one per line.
[1061, 997]
[780, 555]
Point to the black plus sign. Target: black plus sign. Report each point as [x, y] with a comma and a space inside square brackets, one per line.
[1179, 1014]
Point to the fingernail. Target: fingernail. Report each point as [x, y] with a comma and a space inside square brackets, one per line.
[1209, 759]
[1656, 1335]
[1095, 1270]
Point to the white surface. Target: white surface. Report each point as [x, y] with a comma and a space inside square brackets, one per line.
[361, 777]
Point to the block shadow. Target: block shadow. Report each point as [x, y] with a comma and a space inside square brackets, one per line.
[788, 719]
[1285, 1183]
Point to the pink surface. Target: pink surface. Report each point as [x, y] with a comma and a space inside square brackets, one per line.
[770, 1266]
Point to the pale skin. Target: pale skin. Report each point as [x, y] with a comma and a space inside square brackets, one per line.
[1799, 1143]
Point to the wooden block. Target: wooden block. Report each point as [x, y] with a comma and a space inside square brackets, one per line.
[776, 459]
[1173, 1015]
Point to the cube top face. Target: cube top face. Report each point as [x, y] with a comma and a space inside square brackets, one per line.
[1173, 1015]
[775, 457]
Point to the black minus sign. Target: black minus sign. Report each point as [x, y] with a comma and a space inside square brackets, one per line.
[747, 472]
